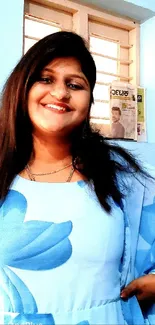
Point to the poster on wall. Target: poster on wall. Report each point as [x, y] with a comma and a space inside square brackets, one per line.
[123, 111]
[141, 117]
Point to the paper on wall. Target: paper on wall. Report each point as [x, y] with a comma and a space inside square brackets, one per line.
[123, 111]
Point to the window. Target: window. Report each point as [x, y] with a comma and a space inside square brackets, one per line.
[113, 42]
[110, 48]
[41, 21]
[37, 28]
[107, 70]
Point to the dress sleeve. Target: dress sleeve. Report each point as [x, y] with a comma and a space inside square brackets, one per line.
[145, 255]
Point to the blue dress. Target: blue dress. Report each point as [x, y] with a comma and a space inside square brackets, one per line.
[60, 256]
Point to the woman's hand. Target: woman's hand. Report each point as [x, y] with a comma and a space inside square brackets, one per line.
[143, 288]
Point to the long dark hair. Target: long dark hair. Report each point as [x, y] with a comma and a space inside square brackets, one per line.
[98, 160]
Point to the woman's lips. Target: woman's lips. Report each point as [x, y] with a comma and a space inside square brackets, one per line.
[58, 107]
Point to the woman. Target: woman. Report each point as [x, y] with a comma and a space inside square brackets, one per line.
[64, 249]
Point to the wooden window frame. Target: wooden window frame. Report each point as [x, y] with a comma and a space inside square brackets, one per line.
[81, 16]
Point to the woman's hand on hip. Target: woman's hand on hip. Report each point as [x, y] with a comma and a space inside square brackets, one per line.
[143, 288]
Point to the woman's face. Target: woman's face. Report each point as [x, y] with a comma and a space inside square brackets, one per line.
[59, 101]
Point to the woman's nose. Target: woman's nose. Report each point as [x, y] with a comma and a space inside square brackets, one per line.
[60, 92]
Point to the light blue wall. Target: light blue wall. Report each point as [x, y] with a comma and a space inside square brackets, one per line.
[147, 65]
[147, 79]
[149, 4]
[11, 35]
[146, 151]
[143, 151]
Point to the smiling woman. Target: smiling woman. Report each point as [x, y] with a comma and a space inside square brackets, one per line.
[66, 250]
[59, 101]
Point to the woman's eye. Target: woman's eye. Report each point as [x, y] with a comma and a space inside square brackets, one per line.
[45, 80]
[74, 86]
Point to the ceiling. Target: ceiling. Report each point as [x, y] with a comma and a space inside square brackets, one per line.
[121, 7]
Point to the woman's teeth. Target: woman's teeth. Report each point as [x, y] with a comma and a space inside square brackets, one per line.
[59, 108]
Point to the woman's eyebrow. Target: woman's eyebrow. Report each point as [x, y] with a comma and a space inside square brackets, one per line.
[79, 76]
